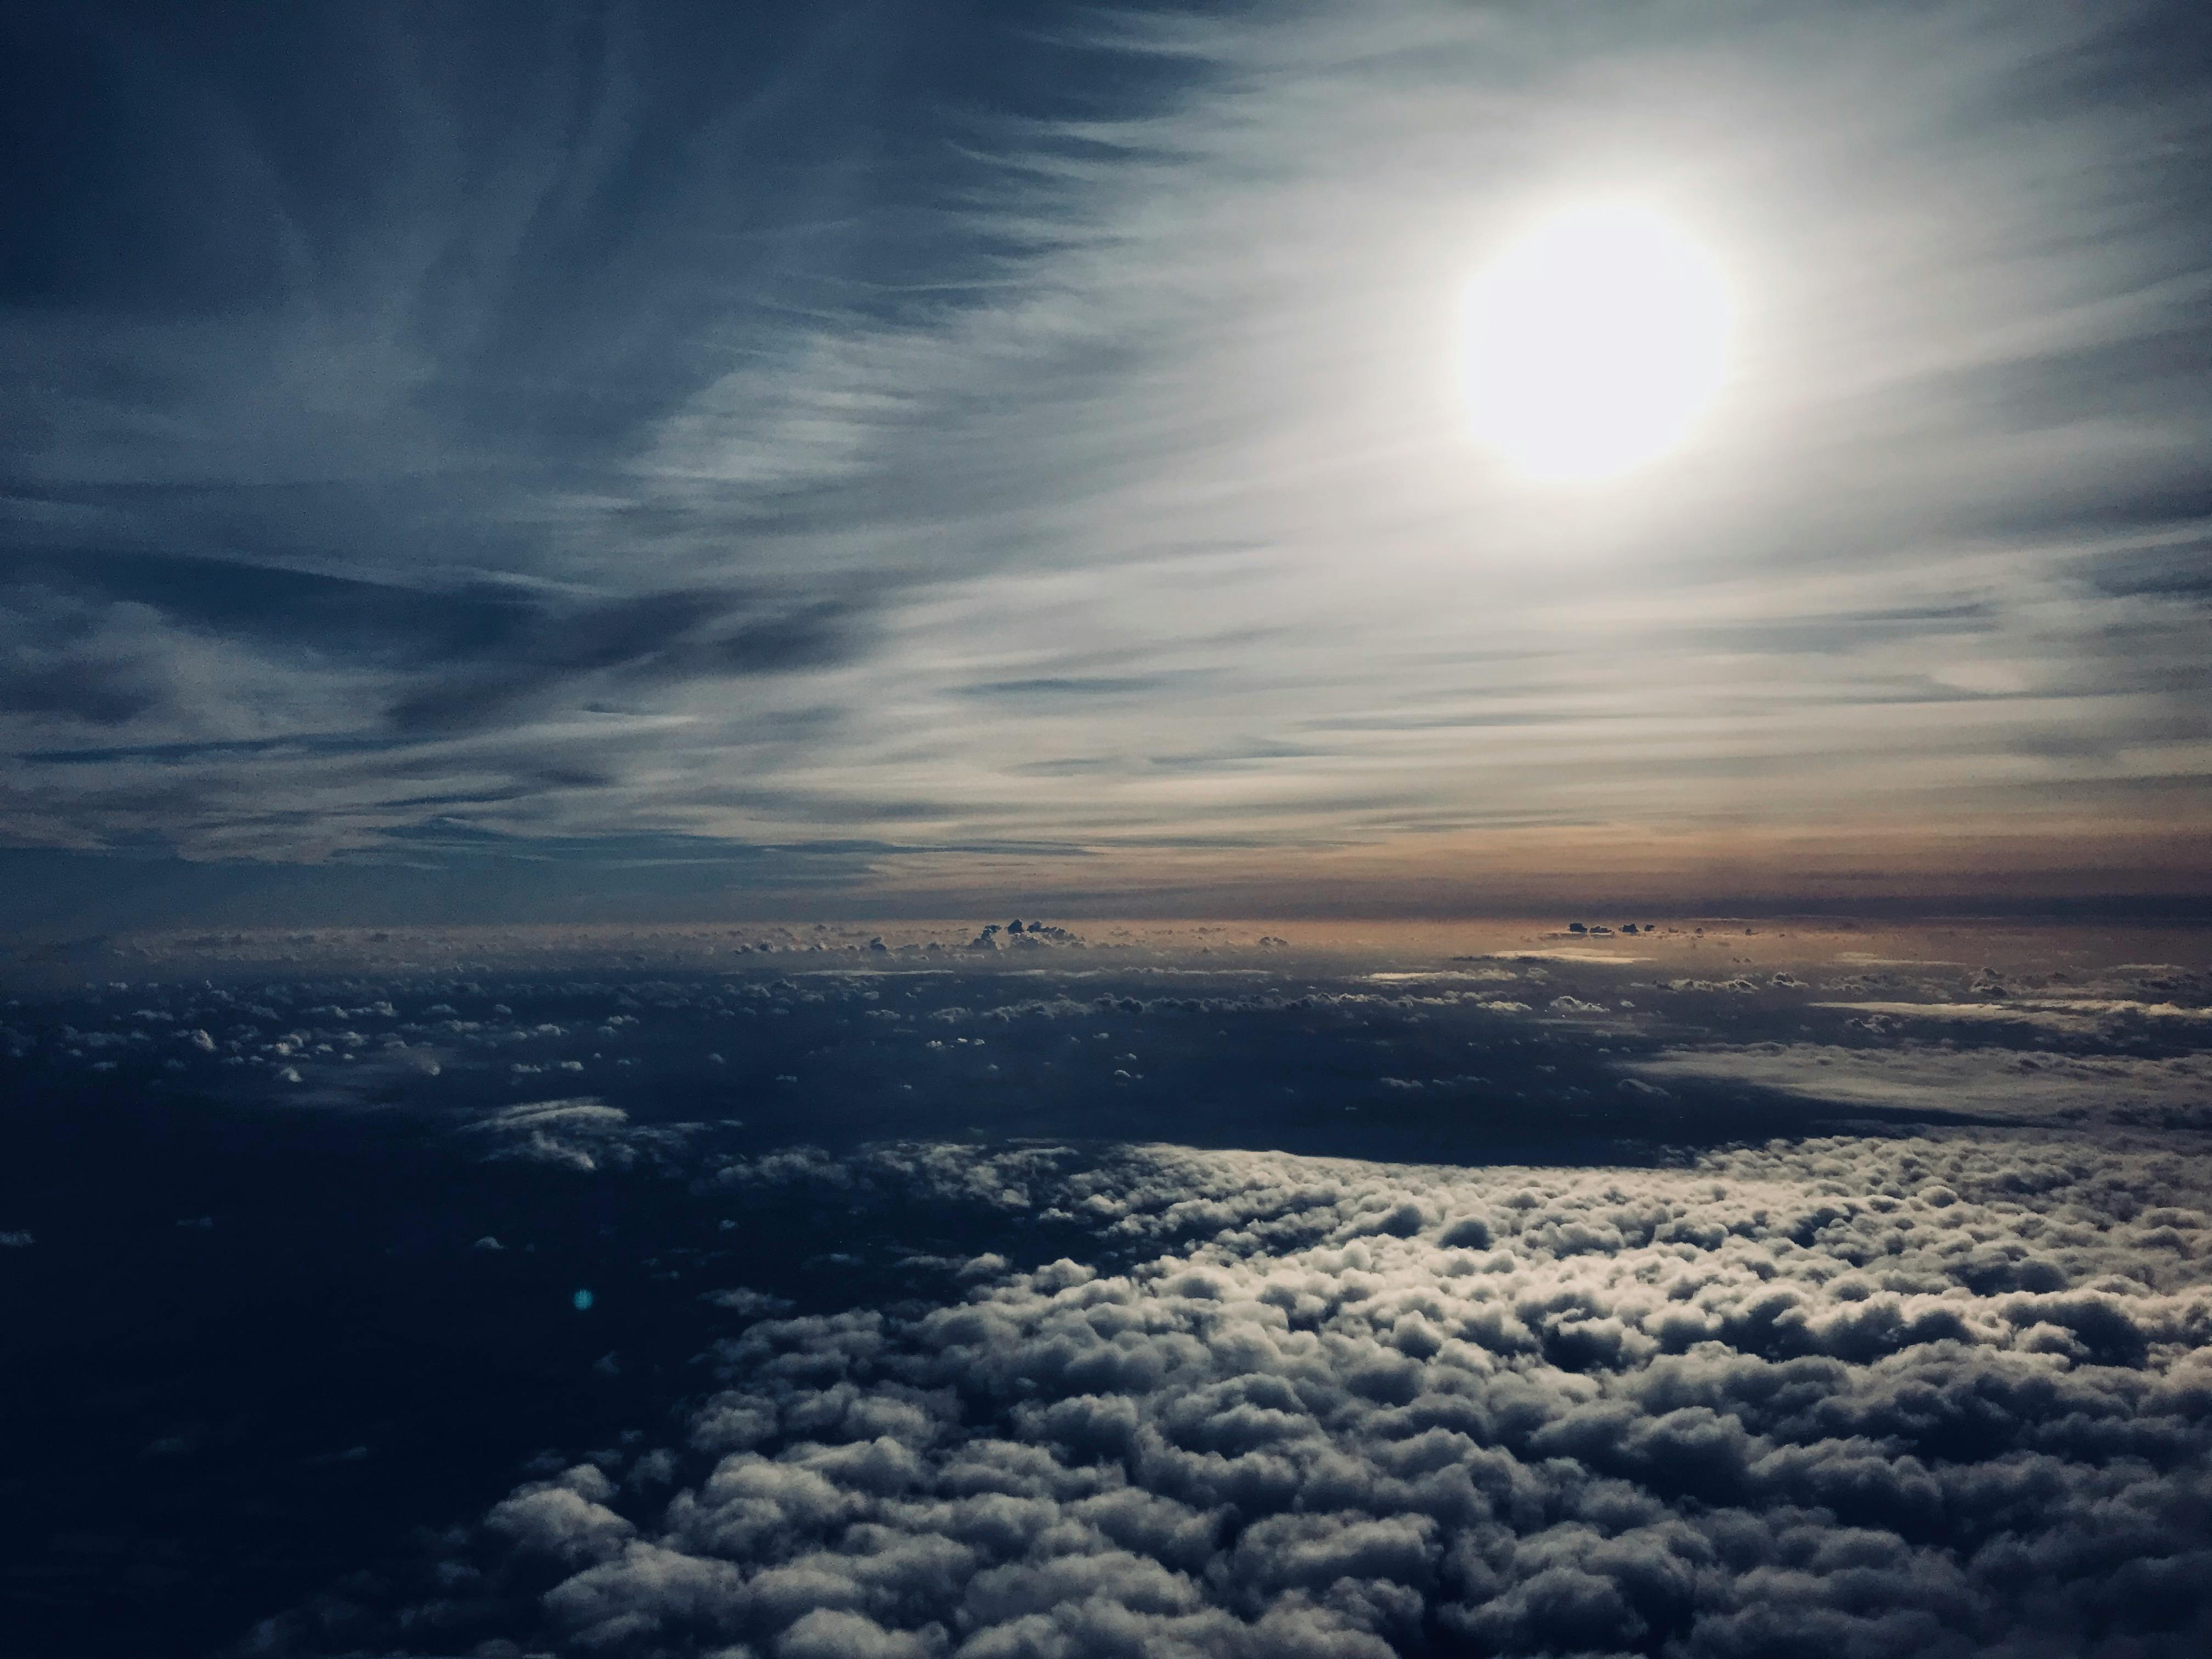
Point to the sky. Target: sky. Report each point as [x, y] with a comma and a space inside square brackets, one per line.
[564, 461]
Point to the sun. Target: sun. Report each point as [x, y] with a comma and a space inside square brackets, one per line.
[1597, 343]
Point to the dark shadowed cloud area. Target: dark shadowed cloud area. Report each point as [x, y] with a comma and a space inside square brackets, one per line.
[704, 455]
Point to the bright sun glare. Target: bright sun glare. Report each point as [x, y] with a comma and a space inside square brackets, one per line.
[1597, 343]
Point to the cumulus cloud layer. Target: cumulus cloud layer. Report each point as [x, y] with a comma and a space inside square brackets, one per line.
[886, 1321]
[1862, 1397]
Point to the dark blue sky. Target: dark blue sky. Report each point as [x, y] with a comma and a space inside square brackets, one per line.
[1015, 449]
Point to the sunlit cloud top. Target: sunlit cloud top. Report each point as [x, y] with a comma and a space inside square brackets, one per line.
[1437, 441]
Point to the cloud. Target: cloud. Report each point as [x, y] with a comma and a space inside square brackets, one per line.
[2073, 1015]
[2010, 1084]
[656, 638]
[581, 1134]
[1056, 451]
[1069, 1394]
[749, 1304]
[1929, 1397]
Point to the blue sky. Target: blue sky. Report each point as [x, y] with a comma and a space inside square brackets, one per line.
[1018, 450]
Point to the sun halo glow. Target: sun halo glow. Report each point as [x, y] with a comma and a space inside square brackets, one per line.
[1597, 343]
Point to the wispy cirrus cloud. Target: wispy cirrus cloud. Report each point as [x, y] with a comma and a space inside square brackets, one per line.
[759, 431]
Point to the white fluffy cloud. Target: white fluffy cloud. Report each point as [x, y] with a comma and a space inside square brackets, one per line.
[1937, 1396]
[582, 1133]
